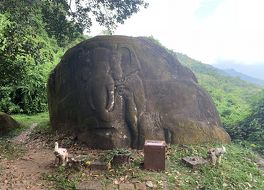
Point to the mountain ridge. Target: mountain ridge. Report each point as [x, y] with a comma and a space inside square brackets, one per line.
[253, 70]
[242, 76]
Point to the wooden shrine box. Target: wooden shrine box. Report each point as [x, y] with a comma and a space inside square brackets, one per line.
[154, 155]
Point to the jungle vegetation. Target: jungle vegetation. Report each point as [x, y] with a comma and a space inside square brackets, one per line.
[34, 35]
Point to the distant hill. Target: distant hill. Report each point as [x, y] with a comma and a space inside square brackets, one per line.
[255, 71]
[232, 96]
[234, 73]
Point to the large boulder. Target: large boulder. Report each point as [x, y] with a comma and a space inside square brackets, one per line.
[117, 91]
[7, 124]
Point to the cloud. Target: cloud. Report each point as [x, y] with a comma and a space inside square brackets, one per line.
[207, 30]
[170, 21]
[235, 31]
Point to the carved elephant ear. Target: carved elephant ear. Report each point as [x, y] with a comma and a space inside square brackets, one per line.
[100, 61]
[128, 59]
[125, 59]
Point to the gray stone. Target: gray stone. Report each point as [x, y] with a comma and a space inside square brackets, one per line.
[126, 186]
[7, 124]
[194, 161]
[140, 186]
[117, 91]
[97, 165]
[260, 162]
[111, 187]
[89, 185]
[149, 184]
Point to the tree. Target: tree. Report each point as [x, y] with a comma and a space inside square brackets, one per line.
[67, 19]
[25, 54]
[33, 33]
[107, 13]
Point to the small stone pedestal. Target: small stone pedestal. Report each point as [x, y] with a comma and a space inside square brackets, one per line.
[120, 160]
[154, 155]
[194, 161]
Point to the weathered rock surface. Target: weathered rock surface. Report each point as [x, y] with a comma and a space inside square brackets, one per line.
[7, 124]
[117, 91]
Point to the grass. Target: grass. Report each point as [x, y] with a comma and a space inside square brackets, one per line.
[237, 171]
[27, 120]
[42, 119]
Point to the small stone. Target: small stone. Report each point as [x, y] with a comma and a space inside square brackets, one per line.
[126, 186]
[112, 187]
[98, 166]
[140, 186]
[149, 184]
[89, 185]
[194, 161]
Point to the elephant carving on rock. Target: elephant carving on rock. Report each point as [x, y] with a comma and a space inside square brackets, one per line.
[118, 91]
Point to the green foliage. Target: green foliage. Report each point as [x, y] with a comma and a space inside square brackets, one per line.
[252, 128]
[54, 15]
[33, 36]
[26, 57]
[66, 20]
[107, 13]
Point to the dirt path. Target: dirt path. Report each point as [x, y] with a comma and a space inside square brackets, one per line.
[26, 172]
[24, 136]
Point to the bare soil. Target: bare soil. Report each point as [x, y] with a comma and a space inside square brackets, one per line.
[26, 172]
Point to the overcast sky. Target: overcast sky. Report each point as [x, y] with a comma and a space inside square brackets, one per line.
[206, 30]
